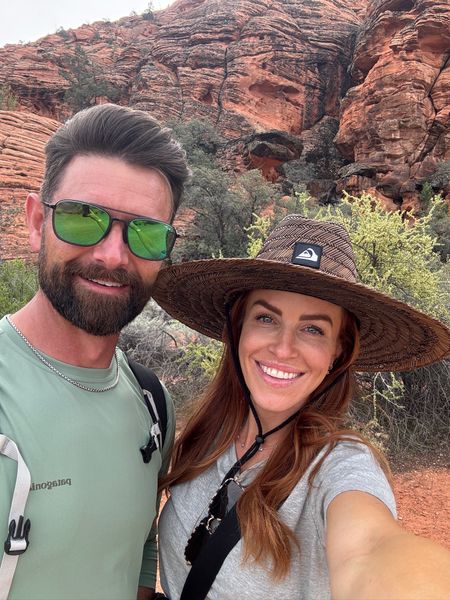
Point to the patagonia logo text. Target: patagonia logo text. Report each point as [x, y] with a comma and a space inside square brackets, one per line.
[308, 255]
[49, 485]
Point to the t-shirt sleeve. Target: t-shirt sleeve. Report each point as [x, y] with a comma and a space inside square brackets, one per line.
[147, 576]
[350, 466]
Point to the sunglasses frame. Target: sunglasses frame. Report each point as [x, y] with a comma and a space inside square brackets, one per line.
[170, 228]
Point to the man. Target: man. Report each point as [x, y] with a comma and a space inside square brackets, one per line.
[68, 399]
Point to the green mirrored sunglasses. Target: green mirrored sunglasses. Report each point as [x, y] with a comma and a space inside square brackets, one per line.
[84, 224]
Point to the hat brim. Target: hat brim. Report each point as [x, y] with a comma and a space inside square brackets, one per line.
[394, 336]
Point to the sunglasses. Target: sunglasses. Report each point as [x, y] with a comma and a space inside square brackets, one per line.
[84, 224]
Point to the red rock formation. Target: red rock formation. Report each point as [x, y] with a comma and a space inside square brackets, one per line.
[251, 65]
[22, 140]
[246, 64]
[280, 68]
[396, 122]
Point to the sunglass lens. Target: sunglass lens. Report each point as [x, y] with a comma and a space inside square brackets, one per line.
[149, 239]
[80, 223]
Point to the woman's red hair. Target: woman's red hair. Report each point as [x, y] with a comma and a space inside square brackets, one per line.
[320, 423]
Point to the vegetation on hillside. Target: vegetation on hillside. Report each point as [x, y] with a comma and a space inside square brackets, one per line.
[86, 78]
[8, 99]
[18, 283]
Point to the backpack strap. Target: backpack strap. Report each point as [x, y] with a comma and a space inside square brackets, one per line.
[155, 400]
[211, 557]
[18, 528]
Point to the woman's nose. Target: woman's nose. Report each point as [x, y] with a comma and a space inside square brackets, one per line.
[285, 343]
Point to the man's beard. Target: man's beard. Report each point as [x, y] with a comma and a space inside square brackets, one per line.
[95, 313]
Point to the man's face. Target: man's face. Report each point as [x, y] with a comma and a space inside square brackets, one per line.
[101, 288]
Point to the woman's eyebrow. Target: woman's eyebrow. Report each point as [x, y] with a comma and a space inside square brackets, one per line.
[303, 317]
[268, 306]
[317, 317]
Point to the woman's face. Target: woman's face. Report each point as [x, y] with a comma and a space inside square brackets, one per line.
[288, 342]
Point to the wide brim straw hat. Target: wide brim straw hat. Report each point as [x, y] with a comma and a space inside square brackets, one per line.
[314, 258]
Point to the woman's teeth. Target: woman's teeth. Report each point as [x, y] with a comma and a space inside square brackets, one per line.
[278, 374]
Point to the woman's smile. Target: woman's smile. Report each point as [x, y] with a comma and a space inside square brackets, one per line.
[278, 372]
[288, 343]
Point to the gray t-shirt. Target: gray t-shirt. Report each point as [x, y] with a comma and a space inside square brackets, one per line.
[350, 466]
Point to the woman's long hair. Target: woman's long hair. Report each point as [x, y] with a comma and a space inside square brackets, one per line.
[216, 424]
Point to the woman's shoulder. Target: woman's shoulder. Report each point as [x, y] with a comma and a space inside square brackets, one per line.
[347, 455]
[352, 465]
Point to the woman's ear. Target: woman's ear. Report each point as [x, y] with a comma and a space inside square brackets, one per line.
[337, 354]
[34, 211]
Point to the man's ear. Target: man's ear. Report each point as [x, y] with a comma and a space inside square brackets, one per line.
[34, 211]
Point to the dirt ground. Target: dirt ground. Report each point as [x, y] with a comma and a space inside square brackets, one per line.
[423, 502]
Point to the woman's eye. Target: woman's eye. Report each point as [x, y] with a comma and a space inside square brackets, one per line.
[314, 329]
[264, 319]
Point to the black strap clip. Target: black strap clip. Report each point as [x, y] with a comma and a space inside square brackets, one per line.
[148, 449]
[17, 541]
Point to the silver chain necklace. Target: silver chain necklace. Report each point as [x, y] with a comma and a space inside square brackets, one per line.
[55, 370]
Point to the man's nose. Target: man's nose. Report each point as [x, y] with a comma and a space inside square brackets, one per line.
[112, 251]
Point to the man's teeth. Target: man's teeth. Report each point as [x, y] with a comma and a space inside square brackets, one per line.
[278, 374]
[107, 283]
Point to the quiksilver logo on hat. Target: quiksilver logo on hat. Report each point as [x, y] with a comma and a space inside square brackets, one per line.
[308, 255]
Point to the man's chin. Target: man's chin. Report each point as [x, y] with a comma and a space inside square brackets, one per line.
[102, 316]
[94, 311]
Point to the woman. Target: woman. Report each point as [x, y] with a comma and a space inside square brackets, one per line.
[265, 477]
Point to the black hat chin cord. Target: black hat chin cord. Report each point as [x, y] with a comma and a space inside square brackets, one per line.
[260, 436]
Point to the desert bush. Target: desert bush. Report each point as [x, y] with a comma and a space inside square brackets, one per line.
[149, 12]
[63, 33]
[87, 80]
[8, 99]
[439, 223]
[222, 204]
[162, 343]
[18, 284]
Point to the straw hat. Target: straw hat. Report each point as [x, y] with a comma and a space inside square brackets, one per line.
[313, 258]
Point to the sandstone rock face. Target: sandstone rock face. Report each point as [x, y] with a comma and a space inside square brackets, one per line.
[255, 64]
[247, 65]
[396, 122]
[322, 94]
[22, 140]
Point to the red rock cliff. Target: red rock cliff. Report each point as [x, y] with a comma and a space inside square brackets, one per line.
[22, 140]
[331, 94]
[395, 124]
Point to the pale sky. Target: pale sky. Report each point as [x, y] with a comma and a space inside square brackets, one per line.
[29, 20]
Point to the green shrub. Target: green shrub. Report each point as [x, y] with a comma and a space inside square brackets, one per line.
[87, 80]
[149, 13]
[222, 204]
[8, 99]
[18, 284]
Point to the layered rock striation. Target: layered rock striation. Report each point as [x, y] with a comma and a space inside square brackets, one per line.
[23, 137]
[322, 94]
[395, 123]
